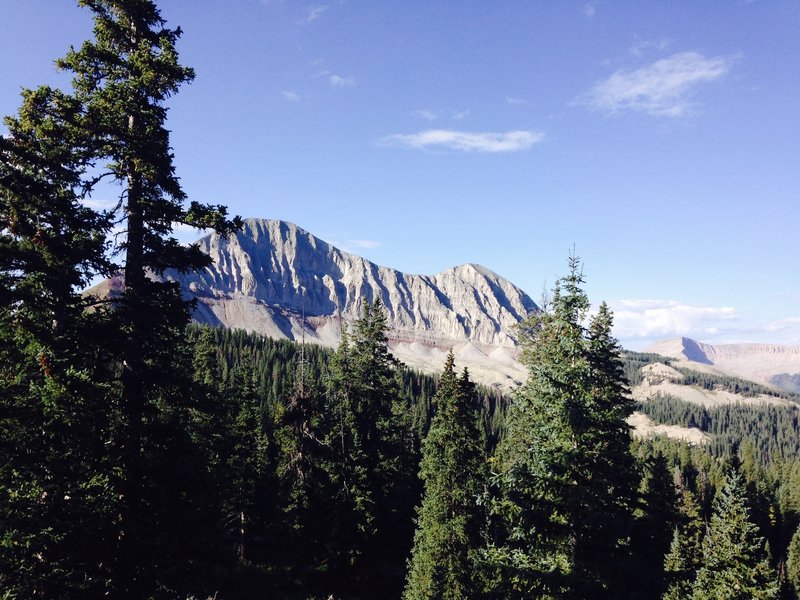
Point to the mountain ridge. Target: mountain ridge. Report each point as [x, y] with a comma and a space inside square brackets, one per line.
[277, 279]
[773, 364]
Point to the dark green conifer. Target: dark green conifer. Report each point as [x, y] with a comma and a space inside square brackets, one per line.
[56, 501]
[793, 563]
[453, 469]
[685, 556]
[562, 467]
[370, 467]
[735, 560]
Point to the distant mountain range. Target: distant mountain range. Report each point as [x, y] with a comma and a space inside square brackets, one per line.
[771, 364]
[277, 279]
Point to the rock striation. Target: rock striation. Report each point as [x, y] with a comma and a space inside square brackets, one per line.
[276, 279]
[772, 364]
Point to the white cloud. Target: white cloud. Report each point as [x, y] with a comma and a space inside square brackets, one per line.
[432, 115]
[655, 319]
[589, 10]
[641, 46]
[342, 82]
[315, 12]
[516, 101]
[660, 89]
[428, 115]
[291, 96]
[465, 141]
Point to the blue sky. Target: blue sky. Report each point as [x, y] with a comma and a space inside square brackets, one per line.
[660, 139]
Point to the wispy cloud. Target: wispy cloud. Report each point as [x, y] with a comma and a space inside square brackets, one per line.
[640, 47]
[648, 320]
[465, 141]
[314, 12]
[517, 101]
[341, 82]
[290, 96]
[661, 89]
[589, 10]
[433, 115]
[428, 115]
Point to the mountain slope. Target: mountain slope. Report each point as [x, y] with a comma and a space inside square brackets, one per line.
[772, 364]
[277, 279]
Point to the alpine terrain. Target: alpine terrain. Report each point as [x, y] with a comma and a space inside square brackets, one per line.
[276, 279]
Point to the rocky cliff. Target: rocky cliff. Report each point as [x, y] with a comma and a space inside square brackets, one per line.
[773, 364]
[276, 279]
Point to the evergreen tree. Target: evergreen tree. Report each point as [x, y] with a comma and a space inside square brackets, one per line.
[56, 504]
[453, 469]
[685, 556]
[112, 128]
[735, 561]
[370, 467]
[793, 563]
[555, 467]
[655, 518]
[302, 474]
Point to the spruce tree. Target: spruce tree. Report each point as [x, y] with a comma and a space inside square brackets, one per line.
[111, 128]
[793, 563]
[685, 554]
[443, 560]
[370, 462]
[735, 560]
[56, 502]
[563, 458]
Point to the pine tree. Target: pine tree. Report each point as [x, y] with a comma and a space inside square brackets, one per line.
[555, 465]
[655, 518]
[112, 128]
[453, 468]
[793, 563]
[370, 466]
[735, 561]
[55, 499]
[302, 474]
[685, 556]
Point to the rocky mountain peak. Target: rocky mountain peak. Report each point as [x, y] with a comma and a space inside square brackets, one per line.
[277, 279]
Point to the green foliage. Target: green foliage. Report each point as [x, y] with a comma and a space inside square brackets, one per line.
[373, 453]
[735, 561]
[793, 563]
[774, 429]
[453, 470]
[564, 479]
[685, 556]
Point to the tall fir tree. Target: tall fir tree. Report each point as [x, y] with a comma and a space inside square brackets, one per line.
[793, 563]
[371, 467]
[443, 560]
[111, 128]
[654, 519]
[685, 555]
[735, 559]
[563, 458]
[56, 502]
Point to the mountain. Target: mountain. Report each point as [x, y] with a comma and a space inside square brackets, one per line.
[277, 279]
[771, 364]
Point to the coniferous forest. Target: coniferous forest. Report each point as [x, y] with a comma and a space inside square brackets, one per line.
[145, 457]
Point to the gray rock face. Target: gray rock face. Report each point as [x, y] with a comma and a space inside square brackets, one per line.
[276, 279]
[771, 364]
